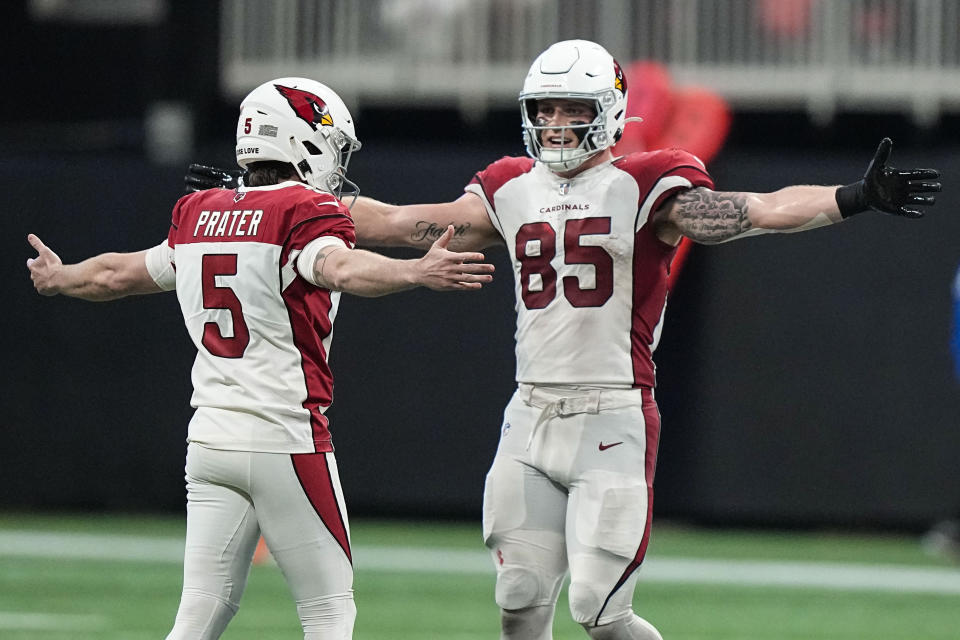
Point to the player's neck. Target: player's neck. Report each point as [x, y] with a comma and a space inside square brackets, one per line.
[604, 156]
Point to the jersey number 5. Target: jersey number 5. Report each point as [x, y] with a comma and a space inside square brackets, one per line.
[574, 253]
[214, 297]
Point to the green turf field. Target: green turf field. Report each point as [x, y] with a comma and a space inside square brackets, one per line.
[118, 578]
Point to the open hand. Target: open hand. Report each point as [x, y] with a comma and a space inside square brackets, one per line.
[889, 190]
[443, 270]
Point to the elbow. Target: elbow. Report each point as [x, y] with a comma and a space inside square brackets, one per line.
[368, 275]
[337, 273]
[334, 279]
[112, 282]
[340, 280]
[108, 286]
[763, 217]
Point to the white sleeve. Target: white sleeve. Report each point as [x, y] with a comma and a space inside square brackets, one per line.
[475, 188]
[308, 256]
[159, 261]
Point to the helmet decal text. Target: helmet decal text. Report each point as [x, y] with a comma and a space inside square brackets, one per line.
[308, 107]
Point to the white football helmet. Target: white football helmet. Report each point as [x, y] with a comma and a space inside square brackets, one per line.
[575, 70]
[300, 121]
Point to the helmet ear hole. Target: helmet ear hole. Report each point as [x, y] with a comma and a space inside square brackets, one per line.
[531, 106]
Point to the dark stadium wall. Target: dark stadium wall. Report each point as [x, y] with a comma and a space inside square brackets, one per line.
[818, 385]
[804, 380]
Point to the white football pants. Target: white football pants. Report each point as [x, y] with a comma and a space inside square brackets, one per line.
[572, 486]
[296, 502]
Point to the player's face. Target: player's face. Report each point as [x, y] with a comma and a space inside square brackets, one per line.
[559, 115]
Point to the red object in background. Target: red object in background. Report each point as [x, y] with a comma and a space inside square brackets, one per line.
[676, 266]
[262, 553]
[699, 123]
[785, 18]
[649, 88]
[695, 120]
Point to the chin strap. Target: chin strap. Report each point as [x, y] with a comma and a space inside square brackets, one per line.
[565, 165]
[627, 121]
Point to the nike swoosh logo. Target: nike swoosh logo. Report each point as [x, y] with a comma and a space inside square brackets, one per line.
[604, 447]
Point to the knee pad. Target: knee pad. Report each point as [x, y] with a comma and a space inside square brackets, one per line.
[327, 618]
[585, 602]
[533, 623]
[517, 588]
[632, 627]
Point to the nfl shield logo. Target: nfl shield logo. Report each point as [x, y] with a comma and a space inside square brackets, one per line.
[564, 188]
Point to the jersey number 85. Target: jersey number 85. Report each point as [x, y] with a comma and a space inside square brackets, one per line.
[574, 253]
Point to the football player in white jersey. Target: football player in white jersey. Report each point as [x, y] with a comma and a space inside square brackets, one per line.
[258, 271]
[591, 237]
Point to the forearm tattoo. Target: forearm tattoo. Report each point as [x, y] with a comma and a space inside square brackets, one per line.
[711, 216]
[427, 231]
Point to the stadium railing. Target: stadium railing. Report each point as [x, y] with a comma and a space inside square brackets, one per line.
[822, 56]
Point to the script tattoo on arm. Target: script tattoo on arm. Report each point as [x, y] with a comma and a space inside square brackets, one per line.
[710, 217]
[427, 231]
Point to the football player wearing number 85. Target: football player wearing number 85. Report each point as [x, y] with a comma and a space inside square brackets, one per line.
[258, 271]
[591, 237]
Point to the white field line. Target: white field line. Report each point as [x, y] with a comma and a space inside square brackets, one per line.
[19, 621]
[822, 575]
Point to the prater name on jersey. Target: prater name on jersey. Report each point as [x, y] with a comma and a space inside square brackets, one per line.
[239, 222]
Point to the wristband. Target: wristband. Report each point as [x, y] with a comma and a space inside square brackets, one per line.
[851, 199]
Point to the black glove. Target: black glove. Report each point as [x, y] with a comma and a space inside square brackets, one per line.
[888, 190]
[200, 177]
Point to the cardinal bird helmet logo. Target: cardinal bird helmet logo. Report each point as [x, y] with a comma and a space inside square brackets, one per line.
[619, 82]
[308, 107]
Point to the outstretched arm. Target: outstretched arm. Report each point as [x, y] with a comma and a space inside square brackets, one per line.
[379, 224]
[419, 225]
[711, 217]
[368, 274]
[107, 276]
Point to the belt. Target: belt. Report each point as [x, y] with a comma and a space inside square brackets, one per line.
[568, 402]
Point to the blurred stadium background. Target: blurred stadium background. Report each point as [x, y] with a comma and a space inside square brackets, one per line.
[805, 382]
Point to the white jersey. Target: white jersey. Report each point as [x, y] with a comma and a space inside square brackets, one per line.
[261, 378]
[590, 273]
